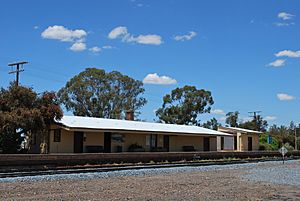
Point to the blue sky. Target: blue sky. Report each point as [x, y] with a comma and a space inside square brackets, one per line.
[247, 53]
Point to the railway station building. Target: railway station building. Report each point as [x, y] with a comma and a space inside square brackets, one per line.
[76, 134]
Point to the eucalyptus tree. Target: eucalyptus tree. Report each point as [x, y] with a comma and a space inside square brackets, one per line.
[96, 93]
[232, 119]
[184, 105]
[212, 124]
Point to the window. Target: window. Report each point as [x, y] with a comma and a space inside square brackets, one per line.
[148, 140]
[151, 140]
[57, 135]
[117, 137]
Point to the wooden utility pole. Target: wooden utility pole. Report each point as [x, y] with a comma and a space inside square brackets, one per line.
[255, 115]
[17, 70]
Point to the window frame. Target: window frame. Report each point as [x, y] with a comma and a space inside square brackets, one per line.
[57, 135]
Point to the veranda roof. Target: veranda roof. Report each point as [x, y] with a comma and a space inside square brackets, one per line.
[78, 122]
[236, 129]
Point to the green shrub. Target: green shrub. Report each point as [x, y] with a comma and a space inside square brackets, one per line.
[267, 147]
[262, 147]
[263, 140]
[288, 147]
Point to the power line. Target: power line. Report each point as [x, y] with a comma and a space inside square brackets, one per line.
[18, 70]
[42, 67]
[45, 78]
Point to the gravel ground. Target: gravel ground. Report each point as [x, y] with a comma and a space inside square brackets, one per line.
[276, 173]
[258, 181]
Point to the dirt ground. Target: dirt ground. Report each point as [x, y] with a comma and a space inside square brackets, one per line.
[211, 185]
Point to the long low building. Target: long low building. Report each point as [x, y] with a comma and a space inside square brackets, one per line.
[75, 134]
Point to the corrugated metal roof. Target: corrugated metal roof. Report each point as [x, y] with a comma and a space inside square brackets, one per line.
[240, 130]
[113, 124]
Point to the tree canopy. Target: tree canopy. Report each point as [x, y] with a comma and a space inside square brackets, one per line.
[184, 105]
[21, 111]
[284, 134]
[257, 124]
[96, 93]
[232, 119]
[212, 124]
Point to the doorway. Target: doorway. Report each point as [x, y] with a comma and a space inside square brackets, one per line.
[78, 142]
[107, 142]
[167, 142]
[206, 144]
[222, 143]
[235, 143]
[249, 143]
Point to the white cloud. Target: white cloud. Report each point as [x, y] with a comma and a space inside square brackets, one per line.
[222, 118]
[36, 27]
[285, 97]
[270, 118]
[122, 32]
[277, 63]
[95, 49]
[156, 79]
[78, 47]
[147, 39]
[188, 36]
[63, 34]
[118, 32]
[283, 24]
[107, 47]
[288, 53]
[218, 111]
[285, 16]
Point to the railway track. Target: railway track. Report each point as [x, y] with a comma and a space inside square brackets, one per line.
[78, 170]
